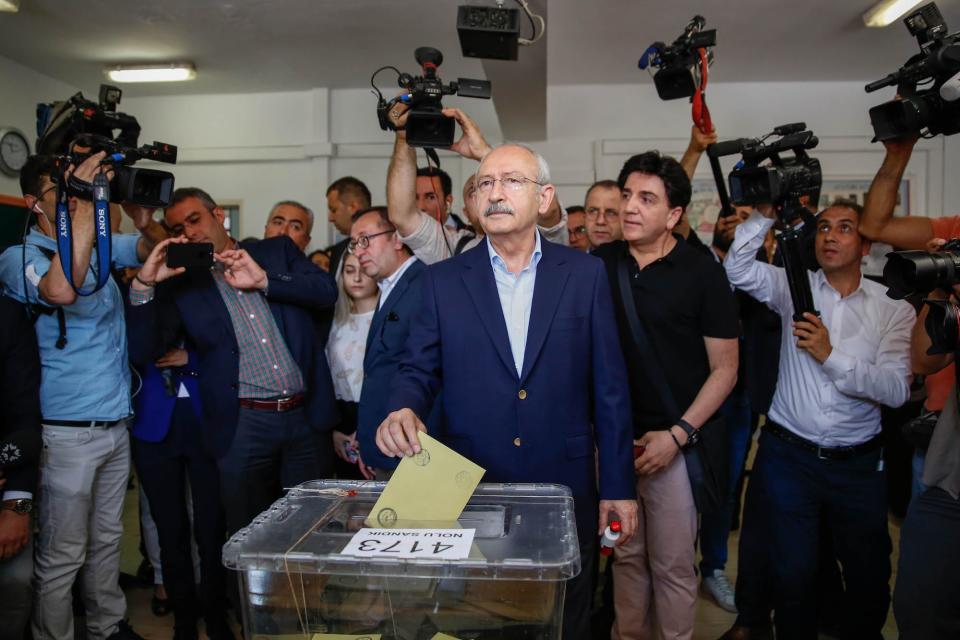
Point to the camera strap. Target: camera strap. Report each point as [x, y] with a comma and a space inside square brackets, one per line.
[699, 110]
[644, 347]
[102, 232]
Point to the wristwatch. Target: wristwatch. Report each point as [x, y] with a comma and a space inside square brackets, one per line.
[693, 435]
[21, 506]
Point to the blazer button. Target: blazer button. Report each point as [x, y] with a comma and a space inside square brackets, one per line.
[516, 442]
[522, 395]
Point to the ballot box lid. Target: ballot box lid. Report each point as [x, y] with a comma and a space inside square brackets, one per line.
[521, 532]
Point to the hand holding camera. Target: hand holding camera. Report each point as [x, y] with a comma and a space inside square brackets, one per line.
[471, 144]
[84, 173]
[155, 269]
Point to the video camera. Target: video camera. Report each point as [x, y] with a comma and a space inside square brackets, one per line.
[782, 181]
[909, 273]
[426, 126]
[934, 108]
[764, 176]
[78, 122]
[678, 64]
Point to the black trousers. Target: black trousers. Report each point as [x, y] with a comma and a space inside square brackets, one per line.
[926, 600]
[579, 594]
[796, 494]
[270, 453]
[164, 468]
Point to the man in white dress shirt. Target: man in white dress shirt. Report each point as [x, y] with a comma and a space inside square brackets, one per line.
[820, 454]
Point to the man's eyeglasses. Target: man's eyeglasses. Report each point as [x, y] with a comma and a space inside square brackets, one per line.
[510, 182]
[362, 242]
[578, 231]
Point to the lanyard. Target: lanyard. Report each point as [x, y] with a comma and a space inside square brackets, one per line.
[101, 209]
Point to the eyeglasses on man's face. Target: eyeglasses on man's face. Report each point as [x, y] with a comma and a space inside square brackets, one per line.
[511, 182]
[363, 241]
[578, 231]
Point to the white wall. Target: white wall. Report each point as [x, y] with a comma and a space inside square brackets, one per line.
[259, 148]
[22, 89]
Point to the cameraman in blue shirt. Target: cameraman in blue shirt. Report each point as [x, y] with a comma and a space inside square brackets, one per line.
[84, 401]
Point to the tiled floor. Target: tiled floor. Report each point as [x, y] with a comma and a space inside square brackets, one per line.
[712, 621]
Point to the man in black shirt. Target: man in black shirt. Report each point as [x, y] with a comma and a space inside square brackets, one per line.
[679, 375]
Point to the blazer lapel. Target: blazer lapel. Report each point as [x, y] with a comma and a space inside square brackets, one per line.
[208, 297]
[552, 274]
[381, 315]
[482, 288]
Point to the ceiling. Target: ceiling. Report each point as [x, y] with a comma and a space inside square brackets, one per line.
[278, 45]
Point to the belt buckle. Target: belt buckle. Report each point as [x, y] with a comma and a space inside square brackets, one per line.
[820, 455]
[282, 404]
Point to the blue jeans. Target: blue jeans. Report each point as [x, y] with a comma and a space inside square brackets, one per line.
[800, 492]
[715, 525]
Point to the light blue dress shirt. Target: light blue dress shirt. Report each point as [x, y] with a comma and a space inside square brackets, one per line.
[516, 298]
[89, 379]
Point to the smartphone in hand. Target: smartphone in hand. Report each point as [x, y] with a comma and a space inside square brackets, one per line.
[192, 255]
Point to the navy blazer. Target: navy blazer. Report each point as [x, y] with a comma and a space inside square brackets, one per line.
[386, 344]
[536, 427]
[296, 289]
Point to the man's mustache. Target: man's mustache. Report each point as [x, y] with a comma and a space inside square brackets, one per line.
[497, 207]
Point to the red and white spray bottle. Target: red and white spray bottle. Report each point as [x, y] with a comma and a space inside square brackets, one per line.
[610, 536]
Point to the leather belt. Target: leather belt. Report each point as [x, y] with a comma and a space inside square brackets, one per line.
[824, 453]
[81, 423]
[277, 404]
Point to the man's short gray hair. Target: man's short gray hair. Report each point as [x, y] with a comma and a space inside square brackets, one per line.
[298, 205]
[543, 169]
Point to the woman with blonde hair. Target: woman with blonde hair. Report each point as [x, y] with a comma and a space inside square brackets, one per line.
[346, 346]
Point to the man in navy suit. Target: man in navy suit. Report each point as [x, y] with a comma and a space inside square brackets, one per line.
[167, 452]
[265, 386]
[520, 334]
[374, 240]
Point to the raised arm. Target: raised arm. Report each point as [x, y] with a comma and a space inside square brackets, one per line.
[54, 287]
[402, 178]
[762, 281]
[877, 222]
[699, 141]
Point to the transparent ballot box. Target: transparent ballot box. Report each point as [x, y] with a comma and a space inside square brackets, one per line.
[297, 582]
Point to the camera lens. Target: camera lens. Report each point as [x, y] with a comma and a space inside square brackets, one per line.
[911, 272]
[942, 326]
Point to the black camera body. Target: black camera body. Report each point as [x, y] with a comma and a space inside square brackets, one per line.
[98, 126]
[934, 108]
[426, 126]
[765, 176]
[756, 181]
[677, 67]
[909, 273]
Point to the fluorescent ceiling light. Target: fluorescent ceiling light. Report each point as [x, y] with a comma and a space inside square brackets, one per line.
[10, 5]
[888, 11]
[153, 73]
